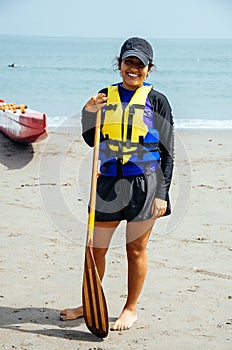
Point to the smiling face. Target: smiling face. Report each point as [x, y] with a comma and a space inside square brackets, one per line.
[133, 72]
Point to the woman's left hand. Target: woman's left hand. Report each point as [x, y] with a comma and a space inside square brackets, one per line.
[159, 208]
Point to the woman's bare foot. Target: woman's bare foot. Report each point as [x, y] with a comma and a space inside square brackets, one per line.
[125, 321]
[71, 314]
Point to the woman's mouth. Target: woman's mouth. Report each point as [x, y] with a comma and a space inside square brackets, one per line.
[133, 75]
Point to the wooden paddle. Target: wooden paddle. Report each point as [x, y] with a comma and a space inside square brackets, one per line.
[93, 298]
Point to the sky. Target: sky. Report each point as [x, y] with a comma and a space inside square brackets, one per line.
[121, 18]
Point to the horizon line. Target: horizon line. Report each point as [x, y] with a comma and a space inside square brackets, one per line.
[114, 37]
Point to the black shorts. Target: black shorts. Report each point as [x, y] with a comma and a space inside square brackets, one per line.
[128, 199]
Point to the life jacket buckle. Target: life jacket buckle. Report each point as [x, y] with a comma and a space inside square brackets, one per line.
[141, 147]
[107, 148]
[111, 107]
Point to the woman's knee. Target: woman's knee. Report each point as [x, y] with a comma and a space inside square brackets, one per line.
[135, 249]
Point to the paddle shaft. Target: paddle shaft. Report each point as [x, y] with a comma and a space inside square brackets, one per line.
[93, 190]
[94, 302]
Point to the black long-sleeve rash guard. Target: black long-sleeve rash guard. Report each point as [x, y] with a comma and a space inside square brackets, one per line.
[164, 125]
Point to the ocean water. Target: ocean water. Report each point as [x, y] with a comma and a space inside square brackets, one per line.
[57, 75]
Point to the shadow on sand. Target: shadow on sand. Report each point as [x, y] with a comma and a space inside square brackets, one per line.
[15, 318]
[14, 155]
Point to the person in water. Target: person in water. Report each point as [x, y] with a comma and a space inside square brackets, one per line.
[12, 65]
[136, 157]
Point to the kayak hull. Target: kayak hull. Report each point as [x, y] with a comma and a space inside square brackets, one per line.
[27, 127]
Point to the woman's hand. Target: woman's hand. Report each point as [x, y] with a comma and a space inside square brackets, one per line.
[159, 208]
[96, 102]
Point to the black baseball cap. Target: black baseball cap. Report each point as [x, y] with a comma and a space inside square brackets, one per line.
[137, 47]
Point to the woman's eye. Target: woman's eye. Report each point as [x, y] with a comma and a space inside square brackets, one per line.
[129, 62]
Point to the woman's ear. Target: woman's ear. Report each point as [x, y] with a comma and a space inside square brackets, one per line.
[119, 68]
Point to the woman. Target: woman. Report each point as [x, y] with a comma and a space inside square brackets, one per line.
[136, 154]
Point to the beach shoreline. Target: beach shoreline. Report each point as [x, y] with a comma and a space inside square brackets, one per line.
[187, 296]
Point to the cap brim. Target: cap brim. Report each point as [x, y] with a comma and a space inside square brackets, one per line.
[139, 55]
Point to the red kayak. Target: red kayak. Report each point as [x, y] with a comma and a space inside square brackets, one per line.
[22, 124]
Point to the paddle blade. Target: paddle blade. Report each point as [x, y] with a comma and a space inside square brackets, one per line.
[94, 302]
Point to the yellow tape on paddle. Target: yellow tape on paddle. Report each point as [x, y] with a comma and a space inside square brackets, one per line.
[91, 220]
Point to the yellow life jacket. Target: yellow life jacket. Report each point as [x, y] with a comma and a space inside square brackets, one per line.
[124, 128]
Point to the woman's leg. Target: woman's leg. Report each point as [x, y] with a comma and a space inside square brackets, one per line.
[103, 233]
[137, 237]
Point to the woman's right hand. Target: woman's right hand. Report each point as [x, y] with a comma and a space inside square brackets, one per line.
[96, 102]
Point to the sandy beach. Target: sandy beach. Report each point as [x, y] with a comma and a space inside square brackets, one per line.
[187, 298]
